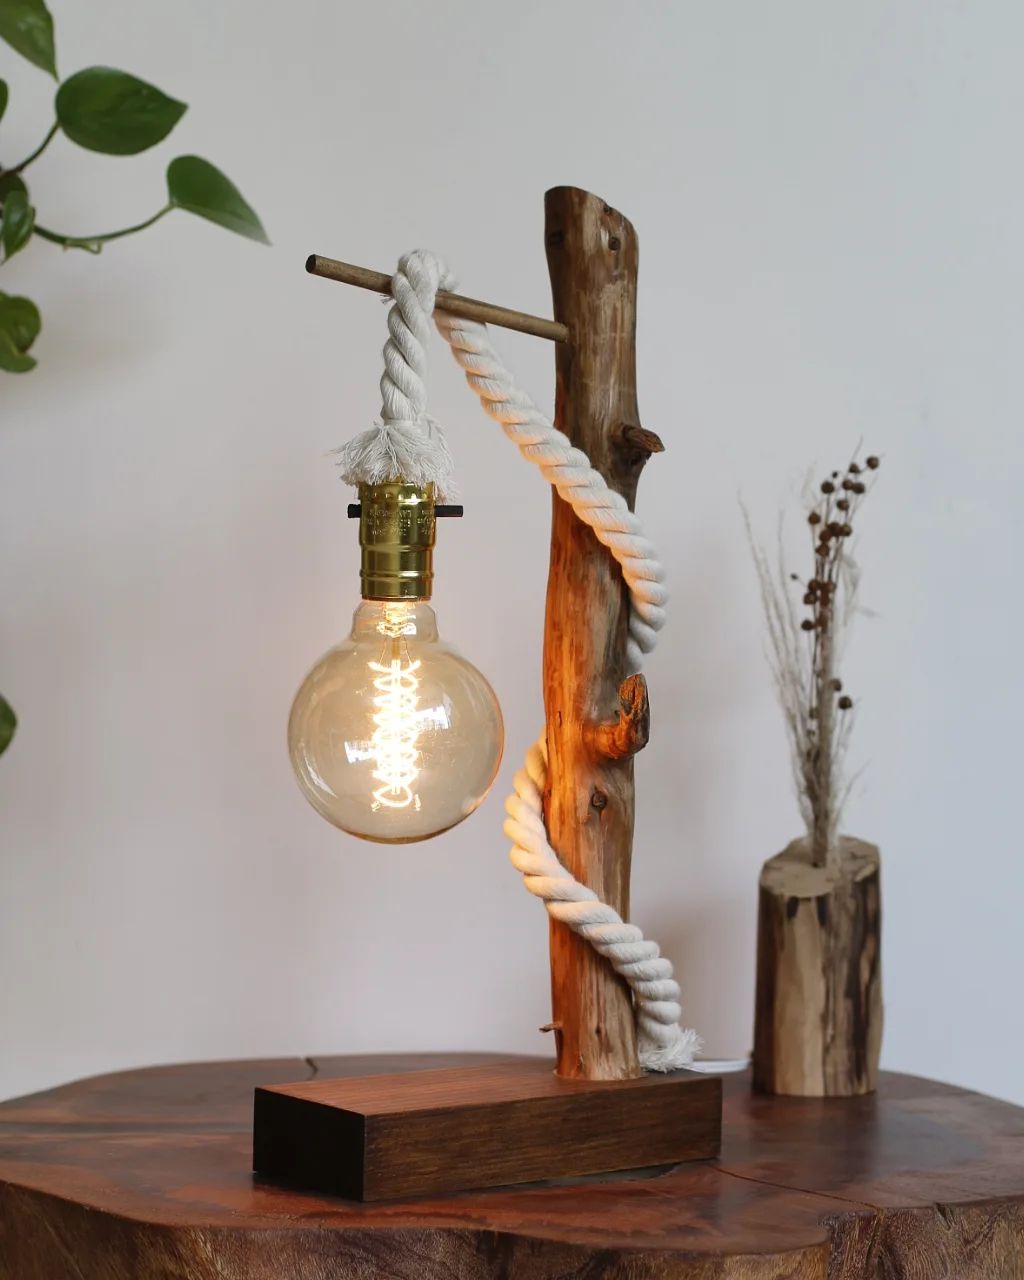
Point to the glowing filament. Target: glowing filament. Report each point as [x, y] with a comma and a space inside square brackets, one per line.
[396, 727]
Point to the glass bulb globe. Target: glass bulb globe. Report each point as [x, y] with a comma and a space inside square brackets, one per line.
[393, 735]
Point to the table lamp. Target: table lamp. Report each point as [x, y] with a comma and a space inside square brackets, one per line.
[394, 737]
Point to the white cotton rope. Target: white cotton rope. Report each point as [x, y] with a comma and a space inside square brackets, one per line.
[409, 445]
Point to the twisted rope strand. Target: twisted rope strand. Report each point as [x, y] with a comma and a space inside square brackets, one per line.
[663, 1044]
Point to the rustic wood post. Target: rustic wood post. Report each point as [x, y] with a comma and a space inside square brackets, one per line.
[597, 712]
[818, 1004]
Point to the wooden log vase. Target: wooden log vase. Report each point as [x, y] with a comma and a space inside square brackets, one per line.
[818, 1002]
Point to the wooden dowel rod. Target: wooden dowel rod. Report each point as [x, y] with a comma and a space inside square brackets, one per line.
[454, 303]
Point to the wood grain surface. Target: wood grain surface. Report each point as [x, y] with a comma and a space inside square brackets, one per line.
[144, 1175]
[375, 1137]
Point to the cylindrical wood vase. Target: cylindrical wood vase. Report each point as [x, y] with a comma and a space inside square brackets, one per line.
[818, 1008]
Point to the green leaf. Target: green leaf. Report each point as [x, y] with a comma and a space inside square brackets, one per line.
[10, 181]
[18, 220]
[20, 318]
[8, 720]
[113, 112]
[19, 327]
[11, 359]
[195, 185]
[4, 94]
[27, 26]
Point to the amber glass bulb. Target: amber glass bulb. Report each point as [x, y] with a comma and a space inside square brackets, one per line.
[393, 735]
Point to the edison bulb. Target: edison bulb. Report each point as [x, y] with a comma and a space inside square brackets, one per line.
[393, 735]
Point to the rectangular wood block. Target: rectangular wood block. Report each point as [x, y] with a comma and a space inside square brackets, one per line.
[456, 1128]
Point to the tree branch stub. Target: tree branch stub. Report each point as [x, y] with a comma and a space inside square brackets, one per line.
[623, 737]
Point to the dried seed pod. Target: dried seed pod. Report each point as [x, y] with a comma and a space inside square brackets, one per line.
[836, 684]
[854, 469]
[874, 463]
[827, 486]
[859, 486]
[807, 625]
[843, 504]
[814, 518]
[848, 485]
[845, 702]
[845, 530]
[810, 598]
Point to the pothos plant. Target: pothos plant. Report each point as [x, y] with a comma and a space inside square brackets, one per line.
[104, 110]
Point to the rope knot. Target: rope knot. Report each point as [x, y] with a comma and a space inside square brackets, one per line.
[413, 451]
[407, 443]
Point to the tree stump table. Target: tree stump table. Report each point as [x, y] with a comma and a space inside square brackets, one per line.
[145, 1175]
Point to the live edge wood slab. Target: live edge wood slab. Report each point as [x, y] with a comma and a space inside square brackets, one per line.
[145, 1175]
[451, 1128]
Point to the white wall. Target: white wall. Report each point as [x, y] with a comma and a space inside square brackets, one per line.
[830, 205]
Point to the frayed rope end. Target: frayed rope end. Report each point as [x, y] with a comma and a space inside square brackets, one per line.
[679, 1052]
[414, 452]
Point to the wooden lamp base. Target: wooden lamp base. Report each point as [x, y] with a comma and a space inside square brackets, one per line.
[460, 1128]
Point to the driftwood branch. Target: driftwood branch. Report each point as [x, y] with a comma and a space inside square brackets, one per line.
[588, 806]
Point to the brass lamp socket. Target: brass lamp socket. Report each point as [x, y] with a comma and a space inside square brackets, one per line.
[396, 534]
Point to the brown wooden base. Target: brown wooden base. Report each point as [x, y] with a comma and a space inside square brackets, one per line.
[458, 1128]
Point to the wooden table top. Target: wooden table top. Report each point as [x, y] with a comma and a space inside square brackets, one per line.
[146, 1175]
